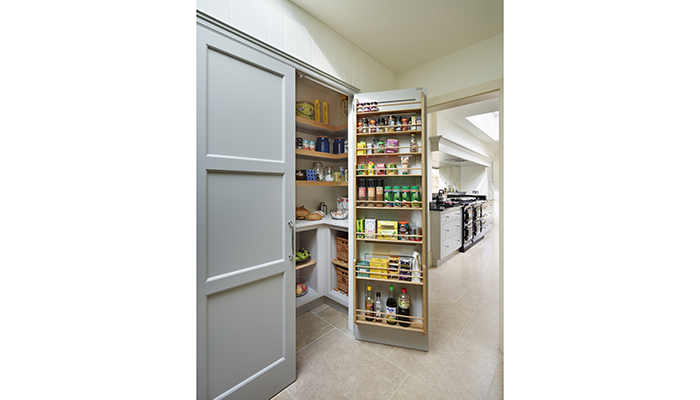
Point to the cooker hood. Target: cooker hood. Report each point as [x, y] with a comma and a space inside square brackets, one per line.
[446, 151]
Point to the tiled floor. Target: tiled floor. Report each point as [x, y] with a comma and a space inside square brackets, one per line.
[463, 361]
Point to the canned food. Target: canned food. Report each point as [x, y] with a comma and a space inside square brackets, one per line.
[391, 169]
[361, 169]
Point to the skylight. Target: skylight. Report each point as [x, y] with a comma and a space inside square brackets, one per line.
[487, 123]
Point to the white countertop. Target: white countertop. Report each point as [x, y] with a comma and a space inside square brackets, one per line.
[302, 225]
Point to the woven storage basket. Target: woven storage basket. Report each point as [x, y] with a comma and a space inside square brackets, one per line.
[341, 278]
[341, 248]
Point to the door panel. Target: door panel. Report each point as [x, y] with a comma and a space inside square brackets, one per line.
[239, 235]
[253, 105]
[245, 198]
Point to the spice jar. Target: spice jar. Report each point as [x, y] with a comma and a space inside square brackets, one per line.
[362, 193]
[414, 143]
[371, 193]
[329, 174]
[379, 193]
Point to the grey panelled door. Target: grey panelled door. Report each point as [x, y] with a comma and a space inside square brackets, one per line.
[245, 198]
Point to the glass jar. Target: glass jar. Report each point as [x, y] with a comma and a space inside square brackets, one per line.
[318, 166]
[329, 174]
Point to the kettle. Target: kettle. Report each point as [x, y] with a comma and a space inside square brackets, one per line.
[441, 197]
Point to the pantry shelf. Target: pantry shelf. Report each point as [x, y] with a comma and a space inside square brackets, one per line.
[389, 280]
[418, 153]
[390, 133]
[307, 263]
[392, 241]
[416, 322]
[320, 183]
[390, 208]
[319, 154]
[312, 126]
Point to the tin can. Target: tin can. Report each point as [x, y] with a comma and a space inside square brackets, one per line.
[361, 169]
[361, 146]
[391, 169]
[397, 196]
[415, 196]
[405, 196]
[388, 196]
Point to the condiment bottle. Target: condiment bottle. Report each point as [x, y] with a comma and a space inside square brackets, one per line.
[371, 193]
[404, 308]
[379, 193]
[361, 193]
[369, 305]
[414, 144]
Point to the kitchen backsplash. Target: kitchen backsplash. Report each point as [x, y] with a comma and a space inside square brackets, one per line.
[446, 177]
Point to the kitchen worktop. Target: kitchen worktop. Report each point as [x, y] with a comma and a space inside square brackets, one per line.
[302, 225]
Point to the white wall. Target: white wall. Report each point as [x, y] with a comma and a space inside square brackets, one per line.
[287, 27]
[453, 132]
[471, 66]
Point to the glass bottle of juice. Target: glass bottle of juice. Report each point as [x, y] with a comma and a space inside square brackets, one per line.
[369, 305]
[404, 308]
[391, 307]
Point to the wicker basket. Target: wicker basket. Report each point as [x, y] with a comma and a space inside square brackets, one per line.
[341, 248]
[341, 275]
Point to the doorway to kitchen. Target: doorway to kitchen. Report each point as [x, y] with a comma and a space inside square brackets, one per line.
[450, 114]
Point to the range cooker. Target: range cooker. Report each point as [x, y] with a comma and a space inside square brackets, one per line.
[473, 216]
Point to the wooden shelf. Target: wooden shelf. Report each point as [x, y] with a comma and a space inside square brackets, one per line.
[307, 263]
[411, 110]
[321, 183]
[389, 133]
[392, 241]
[385, 176]
[390, 208]
[393, 281]
[319, 154]
[418, 153]
[416, 322]
[320, 128]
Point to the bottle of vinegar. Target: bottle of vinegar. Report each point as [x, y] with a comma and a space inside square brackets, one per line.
[391, 307]
[369, 305]
[404, 308]
[378, 308]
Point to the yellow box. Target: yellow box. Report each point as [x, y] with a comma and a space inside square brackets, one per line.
[325, 112]
[387, 229]
[317, 107]
[381, 263]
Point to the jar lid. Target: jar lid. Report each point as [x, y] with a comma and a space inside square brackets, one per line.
[396, 187]
[404, 187]
[414, 187]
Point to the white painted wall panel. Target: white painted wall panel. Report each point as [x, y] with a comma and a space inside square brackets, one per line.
[306, 28]
[287, 27]
[291, 29]
[221, 9]
[276, 21]
[317, 44]
[260, 20]
[240, 14]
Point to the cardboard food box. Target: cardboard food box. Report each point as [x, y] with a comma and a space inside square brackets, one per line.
[374, 265]
[370, 228]
[387, 229]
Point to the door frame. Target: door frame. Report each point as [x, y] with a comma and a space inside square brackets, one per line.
[466, 96]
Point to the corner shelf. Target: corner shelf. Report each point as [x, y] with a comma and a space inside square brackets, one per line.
[319, 128]
[307, 263]
[321, 155]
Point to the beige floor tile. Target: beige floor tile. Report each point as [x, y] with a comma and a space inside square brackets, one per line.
[496, 391]
[382, 350]
[309, 328]
[335, 318]
[455, 367]
[450, 316]
[483, 329]
[319, 308]
[283, 395]
[413, 389]
[339, 367]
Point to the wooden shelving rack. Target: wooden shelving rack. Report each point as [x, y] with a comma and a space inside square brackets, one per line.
[418, 323]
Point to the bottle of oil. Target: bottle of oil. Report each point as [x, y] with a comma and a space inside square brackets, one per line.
[369, 305]
[378, 307]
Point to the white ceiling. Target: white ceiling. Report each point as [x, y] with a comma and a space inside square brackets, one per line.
[403, 34]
